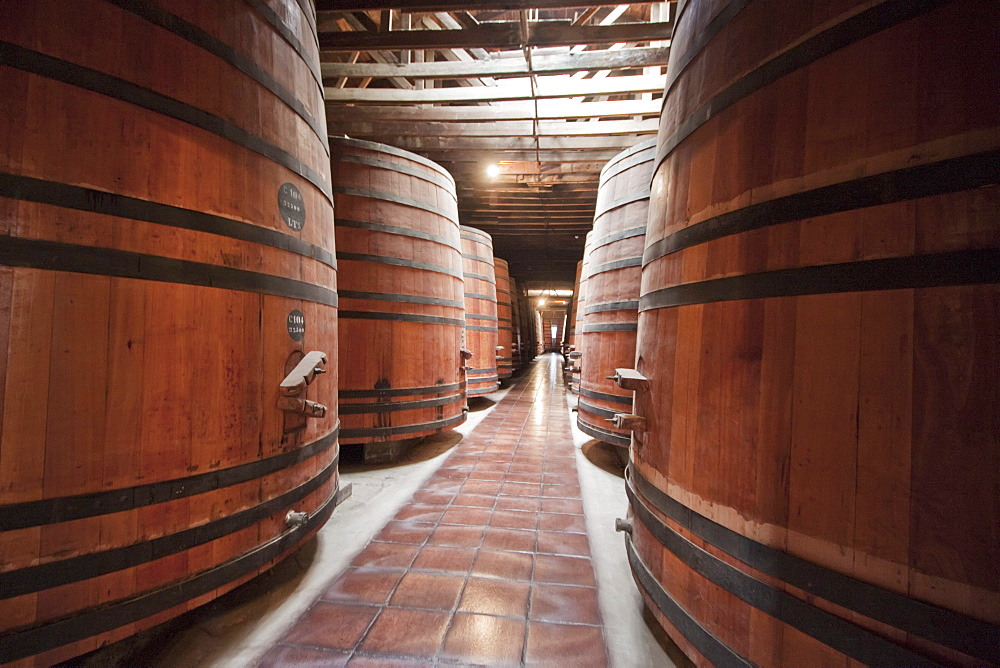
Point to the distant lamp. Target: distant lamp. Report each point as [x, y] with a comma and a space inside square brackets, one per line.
[493, 171]
[541, 301]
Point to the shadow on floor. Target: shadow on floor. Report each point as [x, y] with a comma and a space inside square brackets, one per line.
[608, 458]
[420, 450]
[477, 404]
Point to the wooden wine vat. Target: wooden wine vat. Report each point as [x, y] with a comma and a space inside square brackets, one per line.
[402, 308]
[505, 338]
[552, 328]
[570, 336]
[166, 259]
[580, 301]
[526, 316]
[480, 311]
[515, 325]
[816, 480]
[611, 314]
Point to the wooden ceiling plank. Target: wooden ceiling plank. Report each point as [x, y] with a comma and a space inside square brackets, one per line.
[505, 111]
[587, 61]
[501, 35]
[455, 5]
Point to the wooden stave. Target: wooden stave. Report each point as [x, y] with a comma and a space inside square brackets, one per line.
[477, 260]
[896, 302]
[610, 317]
[76, 241]
[398, 251]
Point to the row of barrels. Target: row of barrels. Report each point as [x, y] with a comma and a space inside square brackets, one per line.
[813, 442]
[169, 303]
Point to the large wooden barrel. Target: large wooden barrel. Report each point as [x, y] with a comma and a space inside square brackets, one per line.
[580, 300]
[166, 259]
[817, 481]
[402, 310]
[570, 335]
[607, 340]
[515, 325]
[505, 340]
[526, 316]
[480, 311]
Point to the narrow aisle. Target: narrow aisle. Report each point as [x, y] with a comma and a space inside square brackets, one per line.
[488, 563]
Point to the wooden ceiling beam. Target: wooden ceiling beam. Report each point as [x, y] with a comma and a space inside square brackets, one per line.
[479, 144]
[503, 111]
[585, 61]
[364, 128]
[520, 89]
[500, 35]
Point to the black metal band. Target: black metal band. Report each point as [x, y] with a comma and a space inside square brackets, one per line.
[603, 435]
[57, 256]
[75, 569]
[66, 72]
[629, 158]
[476, 316]
[596, 410]
[402, 429]
[493, 384]
[395, 199]
[477, 258]
[401, 231]
[63, 509]
[477, 328]
[400, 391]
[642, 196]
[492, 370]
[611, 327]
[275, 22]
[936, 178]
[406, 299]
[195, 35]
[37, 639]
[392, 150]
[707, 644]
[399, 262]
[470, 233]
[476, 295]
[392, 407]
[617, 264]
[604, 396]
[480, 277]
[864, 24]
[618, 236]
[945, 627]
[968, 267]
[829, 629]
[399, 317]
[436, 178]
[609, 306]
[28, 189]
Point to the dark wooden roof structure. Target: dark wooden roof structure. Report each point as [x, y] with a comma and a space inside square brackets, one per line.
[546, 90]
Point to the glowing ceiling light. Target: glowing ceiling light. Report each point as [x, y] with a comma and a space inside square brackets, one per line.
[493, 171]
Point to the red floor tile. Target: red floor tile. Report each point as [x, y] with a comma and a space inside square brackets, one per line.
[527, 503]
[562, 603]
[561, 522]
[428, 590]
[391, 556]
[564, 570]
[505, 565]
[495, 597]
[457, 536]
[573, 506]
[419, 512]
[445, 559]
[485, 640]
[565, 645]
[433, 497]
[417, 633]
[499, 538]
[474, 500]
[466, 516]
[552, 542]
[405, 531]
[292, 655]
[513, 519]
[363, 585]
[481, 487]
[561, 491]
[333, 625]
[380, 661]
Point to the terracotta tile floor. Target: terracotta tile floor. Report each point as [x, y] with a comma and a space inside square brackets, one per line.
[488, 564]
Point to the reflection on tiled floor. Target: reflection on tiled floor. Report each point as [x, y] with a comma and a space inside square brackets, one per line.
[488, 563]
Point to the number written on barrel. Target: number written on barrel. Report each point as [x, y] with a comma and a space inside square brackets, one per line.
[291, 206]
[296, 325]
